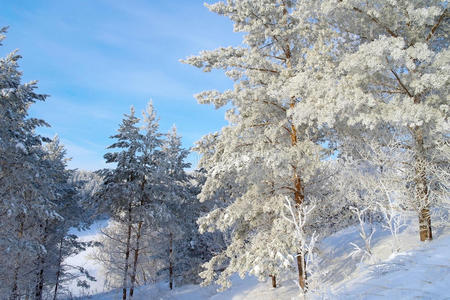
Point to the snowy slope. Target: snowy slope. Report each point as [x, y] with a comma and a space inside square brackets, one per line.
[249, 288]
[417, 271]
[422, 273]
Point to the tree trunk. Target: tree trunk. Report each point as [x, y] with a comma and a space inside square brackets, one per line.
[135, 262]
[15, 288]
[422, 188]
[274, 281]
[40, 284]
[58, 273]
[425, 225]
[298, 197]
[170, 260]
[301, 263]
[127, 256]
[41, 261]
[144, 276]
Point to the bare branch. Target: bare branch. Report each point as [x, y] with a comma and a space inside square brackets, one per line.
[436, 26]
[401, 84]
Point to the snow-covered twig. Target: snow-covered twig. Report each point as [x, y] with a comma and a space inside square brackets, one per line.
[367, 237]
[394, 220]
[298, 217]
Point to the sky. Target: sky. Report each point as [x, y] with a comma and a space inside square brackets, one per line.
[95, 59]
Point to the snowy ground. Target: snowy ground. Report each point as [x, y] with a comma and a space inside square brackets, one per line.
[422, 273]
[417, 271]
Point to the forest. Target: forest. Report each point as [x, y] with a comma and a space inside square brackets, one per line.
[338, 118]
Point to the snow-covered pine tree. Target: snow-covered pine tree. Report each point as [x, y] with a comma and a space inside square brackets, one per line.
[70, 205]
[262, 157]
[389, 80]
[122, 185]
[176, 193]
[150, 174]
[134, 189]
[26, 184]
[177, 241]
[193, 249]
[57, 182]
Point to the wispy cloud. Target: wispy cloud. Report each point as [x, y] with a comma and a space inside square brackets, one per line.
[96, 58]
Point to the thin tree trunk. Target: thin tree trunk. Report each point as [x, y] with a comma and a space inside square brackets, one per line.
[15, 288]
[58, 273]
[136, 250]
[425, 225]
[298, 187]
[40, 284]
[144, 276]
[127, 256]
[274, 281]
[301, 263]
[422, 188]
[170, 260]
[135, 262]
[298, 197]
[41, 261]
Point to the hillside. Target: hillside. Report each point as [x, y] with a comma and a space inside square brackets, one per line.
[417, 271]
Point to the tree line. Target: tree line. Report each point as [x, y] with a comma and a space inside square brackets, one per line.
[152, 203]
[147, 195]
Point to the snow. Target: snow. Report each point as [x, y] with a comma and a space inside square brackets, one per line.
[21, 146]
[248, 288]
[94, 268]
[84, 260]
[420, 270]
[422, 273]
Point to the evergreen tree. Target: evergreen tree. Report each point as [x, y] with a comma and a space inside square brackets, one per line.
[150, 173]
[121, 184]
[263, 156]
[133, 189]
[27, 187]
[386, 80]
[175, 191]
[71, 206]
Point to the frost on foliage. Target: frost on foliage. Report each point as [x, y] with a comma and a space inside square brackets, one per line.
[150, 193]
[312, 81]
[39, 203]
[386, 75]
[251, 164]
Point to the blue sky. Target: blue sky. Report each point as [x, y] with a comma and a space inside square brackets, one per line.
[97, 58]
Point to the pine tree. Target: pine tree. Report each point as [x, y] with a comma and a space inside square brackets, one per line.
[133, 190]
[150, 183]
[175, 192]
[387, 80]
[262, 157]
[70, 205]
[27, 186]
[121, 184]
[193, 249]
